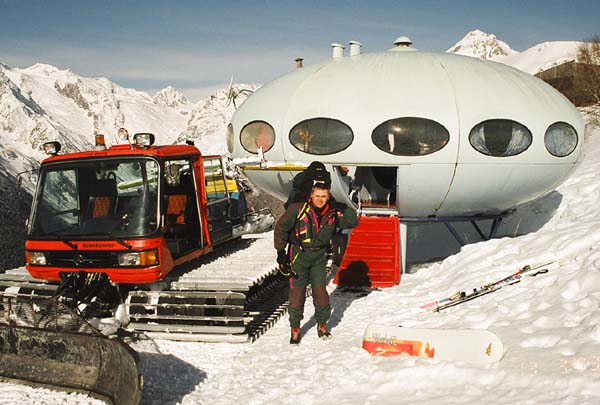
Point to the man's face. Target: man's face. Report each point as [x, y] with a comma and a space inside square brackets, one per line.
[319, 197]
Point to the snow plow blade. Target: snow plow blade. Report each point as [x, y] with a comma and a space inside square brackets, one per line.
[44, 353]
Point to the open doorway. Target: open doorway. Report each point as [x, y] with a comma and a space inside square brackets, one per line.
[370, 185]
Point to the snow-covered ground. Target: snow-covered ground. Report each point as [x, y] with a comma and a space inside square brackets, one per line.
[550, 327]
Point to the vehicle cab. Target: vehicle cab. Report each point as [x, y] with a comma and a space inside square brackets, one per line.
[131, 211]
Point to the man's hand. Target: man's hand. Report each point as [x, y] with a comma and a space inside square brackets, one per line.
[282, 257]
[285, 268]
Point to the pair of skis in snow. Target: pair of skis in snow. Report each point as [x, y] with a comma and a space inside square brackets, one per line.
[469, 345]
[464, 296]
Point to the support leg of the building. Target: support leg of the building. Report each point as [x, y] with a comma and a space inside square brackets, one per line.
[454, 233]
[403, 241]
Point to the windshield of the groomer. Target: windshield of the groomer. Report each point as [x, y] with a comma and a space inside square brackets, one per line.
[96, 199]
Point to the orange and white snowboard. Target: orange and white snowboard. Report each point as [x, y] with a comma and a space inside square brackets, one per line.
[468, 345]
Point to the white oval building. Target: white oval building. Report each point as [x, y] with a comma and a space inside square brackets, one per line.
[427, 134]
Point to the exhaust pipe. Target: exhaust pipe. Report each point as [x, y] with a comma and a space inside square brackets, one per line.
[355, 48]
[337, 50]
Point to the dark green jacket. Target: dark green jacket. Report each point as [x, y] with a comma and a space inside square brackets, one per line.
[298, 225]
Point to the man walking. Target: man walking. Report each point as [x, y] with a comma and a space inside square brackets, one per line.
[308, 228]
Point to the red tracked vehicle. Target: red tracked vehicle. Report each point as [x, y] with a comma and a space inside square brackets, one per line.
[111, 222]
[113, 233]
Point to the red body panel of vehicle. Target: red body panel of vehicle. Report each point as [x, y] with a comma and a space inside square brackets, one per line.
[116, 274]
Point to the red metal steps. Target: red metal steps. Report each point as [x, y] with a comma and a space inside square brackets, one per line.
[373, 254]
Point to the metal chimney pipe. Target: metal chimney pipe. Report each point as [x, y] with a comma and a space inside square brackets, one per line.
[355, 48]
[299, 63]
[338, 50]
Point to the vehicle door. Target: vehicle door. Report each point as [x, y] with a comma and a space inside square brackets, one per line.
[217, 200]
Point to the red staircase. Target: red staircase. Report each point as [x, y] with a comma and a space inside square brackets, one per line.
[372, 255]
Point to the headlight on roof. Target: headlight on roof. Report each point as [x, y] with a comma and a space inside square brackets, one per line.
[144, 258]
[143, 139]
[52, 148]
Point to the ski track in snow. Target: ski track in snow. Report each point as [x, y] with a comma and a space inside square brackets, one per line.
[549, 324]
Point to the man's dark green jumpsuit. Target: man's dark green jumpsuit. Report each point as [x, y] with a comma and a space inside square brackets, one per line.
[309, 230]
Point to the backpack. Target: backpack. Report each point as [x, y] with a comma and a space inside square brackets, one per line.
[303, 182]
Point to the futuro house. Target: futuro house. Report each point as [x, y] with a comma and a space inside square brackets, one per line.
[424, 134]
[443, 134]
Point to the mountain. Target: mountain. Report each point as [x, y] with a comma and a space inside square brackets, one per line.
[481, 45]
[46, 103]
[542, 56]
[538, 58]
[43, 103]
[170, 97]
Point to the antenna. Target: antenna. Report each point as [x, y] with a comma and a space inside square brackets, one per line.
[229, 92]
[234, 92]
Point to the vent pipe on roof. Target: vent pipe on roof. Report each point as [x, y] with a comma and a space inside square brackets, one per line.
[338, 50]
[299, 62]
[355, 48]
[403, 41]
[402, 44]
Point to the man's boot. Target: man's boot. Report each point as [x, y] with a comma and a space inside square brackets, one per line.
[295, 337]
[323, 332]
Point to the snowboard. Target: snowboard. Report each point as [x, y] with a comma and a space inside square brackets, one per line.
[468, 345]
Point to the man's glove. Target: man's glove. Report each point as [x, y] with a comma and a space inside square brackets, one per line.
[285, 268]
[282, 257]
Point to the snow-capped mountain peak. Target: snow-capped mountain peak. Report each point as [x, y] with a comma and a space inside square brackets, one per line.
[170, 97]
[43, 69]
[481, 45]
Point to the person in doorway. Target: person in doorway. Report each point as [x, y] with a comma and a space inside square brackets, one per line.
[308, 227]
[303, 182]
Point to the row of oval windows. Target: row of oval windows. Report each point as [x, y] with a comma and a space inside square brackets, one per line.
[407, 136]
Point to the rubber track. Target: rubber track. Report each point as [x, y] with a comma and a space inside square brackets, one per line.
[221, 319]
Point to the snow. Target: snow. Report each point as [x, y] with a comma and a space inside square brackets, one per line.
[542, 56]
[481, 45]
[533, 60]
[42, 103]
[549, 324]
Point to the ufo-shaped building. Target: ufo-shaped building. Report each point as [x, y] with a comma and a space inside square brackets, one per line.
[422, 134]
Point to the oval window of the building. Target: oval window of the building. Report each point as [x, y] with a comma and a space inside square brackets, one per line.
[500, 138]
[410, 136]
[321, 136]
[230, 137]
[560, 139]
[257, 134]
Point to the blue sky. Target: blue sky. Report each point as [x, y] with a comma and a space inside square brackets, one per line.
[196, 46]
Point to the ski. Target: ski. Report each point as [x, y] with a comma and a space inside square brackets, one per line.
[463, 296]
